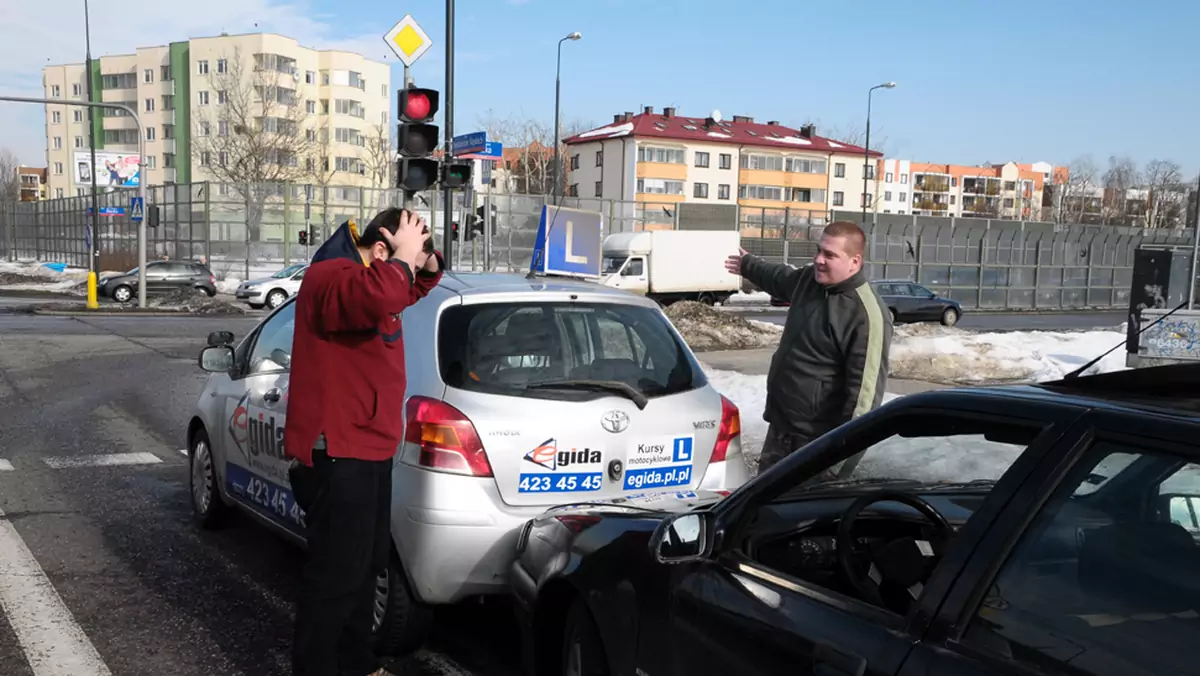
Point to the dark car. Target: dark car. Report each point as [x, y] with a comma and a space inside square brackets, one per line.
[161, 277]
[1048, 529]
[911, 302]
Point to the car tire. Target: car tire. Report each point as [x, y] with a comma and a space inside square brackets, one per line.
[950, 317]
[211, 293]
[706, 299]
[208, 507]
[895, 315]
[582, 649]
[275, 298]
[402, 623]
[122, 294]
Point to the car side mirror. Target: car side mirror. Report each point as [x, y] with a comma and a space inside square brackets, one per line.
[282, 358]
[220, 338]
[682, 538]
[217, 359]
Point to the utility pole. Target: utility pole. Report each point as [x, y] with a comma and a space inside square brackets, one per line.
[94, 249]
[447, 193]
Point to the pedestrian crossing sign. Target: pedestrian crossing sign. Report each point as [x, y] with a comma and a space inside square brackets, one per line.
[136, 209]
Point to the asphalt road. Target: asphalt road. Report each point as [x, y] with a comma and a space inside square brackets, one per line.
[103, 565]
[997, 321]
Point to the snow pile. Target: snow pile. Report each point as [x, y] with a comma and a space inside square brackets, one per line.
[754, 298]
[37, 277]
[953, 356]
[706, 328]
[228, 285]
[195, 302]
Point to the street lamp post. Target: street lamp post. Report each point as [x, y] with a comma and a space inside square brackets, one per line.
[867, 147]
[94, 244]
[557, 101]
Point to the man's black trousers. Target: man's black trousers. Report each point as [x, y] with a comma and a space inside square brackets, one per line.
[348, 521]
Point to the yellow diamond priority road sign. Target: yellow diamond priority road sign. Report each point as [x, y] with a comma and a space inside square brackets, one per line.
[407, 40]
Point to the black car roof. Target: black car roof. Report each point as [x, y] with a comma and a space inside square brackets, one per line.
[1171, 390]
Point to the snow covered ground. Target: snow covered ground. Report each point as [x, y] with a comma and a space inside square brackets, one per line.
[32, 276]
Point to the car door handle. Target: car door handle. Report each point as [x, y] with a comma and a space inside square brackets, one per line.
[272, 395]
[830, 661]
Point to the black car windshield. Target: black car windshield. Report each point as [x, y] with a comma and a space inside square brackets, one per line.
[287, 272]
[564, 350]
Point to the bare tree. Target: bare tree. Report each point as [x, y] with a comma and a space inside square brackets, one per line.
[1121, 176]
[1167, 195]
[254, 134]
[379, 156]
[852, 133]
[10, 183]
[531, 170]
[1077, 193]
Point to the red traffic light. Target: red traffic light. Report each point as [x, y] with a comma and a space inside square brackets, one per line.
[417, 105]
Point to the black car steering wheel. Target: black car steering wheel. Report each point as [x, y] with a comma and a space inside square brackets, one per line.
[894, 574]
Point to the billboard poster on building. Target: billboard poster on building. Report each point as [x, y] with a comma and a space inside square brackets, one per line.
[112, 170]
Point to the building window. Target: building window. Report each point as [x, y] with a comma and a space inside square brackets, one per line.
[79, 192]
[868, 172]
[952, 197]
[58, 193]
[205, 158]
[661, 155]
[55, 92]
[599, 159]
[1010, 186]
[78, 141]
[599, 188]
[700, 190]
[760, 192]
[574, 162]
[1008, 202]
[57, 143]
[802, 165]
[658, 186]
[953, 181]
[119, 81]
[839, 198]
[903, 197]
[887, 195]
[812, 195]
[150, 133]
[222, 66]
[77, 115]
[904, 179]
[887, 177]
[148, 75]
[866, 199]
[164, 74]
[726, 161]
[169, 130]
[701, 159]
[310, 77]
[839, 170]
[58, 168]
[149, 105]
[203, 98]
[151, 161]
[762, 162]
[573, 190]
[55, 117]
[127, 137]
[723, 191]
[222, 97]
[349, 107]
[202, 68]
[76, 89]
[383, 90]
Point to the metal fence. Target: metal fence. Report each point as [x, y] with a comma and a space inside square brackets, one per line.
[982, 263]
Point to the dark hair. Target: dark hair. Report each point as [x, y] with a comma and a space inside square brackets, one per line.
[856, 241]
[387, 219]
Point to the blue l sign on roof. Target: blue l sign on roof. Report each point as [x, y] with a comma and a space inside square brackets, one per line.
[569, 242]
[136, 209]
[469, 143]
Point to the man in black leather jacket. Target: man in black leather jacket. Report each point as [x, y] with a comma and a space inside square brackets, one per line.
[832, 361]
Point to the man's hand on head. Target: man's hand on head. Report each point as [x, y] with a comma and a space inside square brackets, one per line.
[408, 240]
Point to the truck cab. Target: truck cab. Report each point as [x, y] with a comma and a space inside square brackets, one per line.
[672, 265]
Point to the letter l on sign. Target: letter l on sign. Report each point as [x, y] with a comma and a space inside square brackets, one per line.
[571, 256]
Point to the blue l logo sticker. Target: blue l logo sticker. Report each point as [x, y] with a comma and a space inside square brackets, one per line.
[681, 449]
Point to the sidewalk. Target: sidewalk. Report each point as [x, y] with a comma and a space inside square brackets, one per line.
[757, 362]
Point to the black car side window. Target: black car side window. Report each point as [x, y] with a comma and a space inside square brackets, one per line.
[1106, 580]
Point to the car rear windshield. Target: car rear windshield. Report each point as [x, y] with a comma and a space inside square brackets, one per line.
[523, 349]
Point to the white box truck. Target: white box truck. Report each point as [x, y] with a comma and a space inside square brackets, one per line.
[672, 265]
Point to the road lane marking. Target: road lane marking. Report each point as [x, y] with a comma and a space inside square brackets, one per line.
[183, 451]
[5, 465]
[52, 640]
[102, 460]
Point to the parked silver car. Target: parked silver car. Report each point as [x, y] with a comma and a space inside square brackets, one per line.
[272, 291]
[522, 394]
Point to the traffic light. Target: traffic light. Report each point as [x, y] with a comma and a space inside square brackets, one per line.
[152, 216]
[304, 237]
[456, 175]
[454, 231]
[416, 139]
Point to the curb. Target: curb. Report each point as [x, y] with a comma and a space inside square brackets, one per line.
[763, 307]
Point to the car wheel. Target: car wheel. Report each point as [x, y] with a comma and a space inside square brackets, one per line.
[276, 298]
[401, 621]
[950, 317]
[583, 653]
[211, 293]
[895, 316]
[122, 294]
[706, 298]
[208, 506]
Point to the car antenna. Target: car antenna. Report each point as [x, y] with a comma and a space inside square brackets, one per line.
[1075, 374]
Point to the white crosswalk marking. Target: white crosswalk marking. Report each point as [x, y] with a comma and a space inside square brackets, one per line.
[102, 460]
[53, 641]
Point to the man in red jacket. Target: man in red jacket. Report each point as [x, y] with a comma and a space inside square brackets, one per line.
[345, 420]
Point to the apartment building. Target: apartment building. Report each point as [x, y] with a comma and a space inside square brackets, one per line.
[1010, 191]
[31, 182]
[336, 105]
[664, 158]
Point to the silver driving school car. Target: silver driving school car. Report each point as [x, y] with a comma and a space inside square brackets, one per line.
[522, 394]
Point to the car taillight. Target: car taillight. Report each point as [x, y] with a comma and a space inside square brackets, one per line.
[212, 279]
[446, 439]
[577, 523]
[731, 428]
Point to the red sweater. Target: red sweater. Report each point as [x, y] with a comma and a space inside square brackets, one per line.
[347, 369]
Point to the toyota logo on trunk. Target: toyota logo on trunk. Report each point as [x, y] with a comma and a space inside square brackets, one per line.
[615, 421]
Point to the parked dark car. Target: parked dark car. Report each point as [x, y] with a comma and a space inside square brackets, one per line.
[1049, 529]
[161, 277]
[911, 302]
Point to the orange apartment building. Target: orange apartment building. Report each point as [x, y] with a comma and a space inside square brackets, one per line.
[665, 158]
[1009, 191]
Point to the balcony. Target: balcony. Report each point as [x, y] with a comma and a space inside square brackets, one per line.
[926, 184]
[981, 187]
[930, 204]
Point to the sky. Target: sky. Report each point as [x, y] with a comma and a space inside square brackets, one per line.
[977, 81]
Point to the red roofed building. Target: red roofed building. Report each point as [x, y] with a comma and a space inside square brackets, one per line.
[664, 157]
